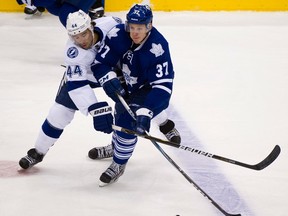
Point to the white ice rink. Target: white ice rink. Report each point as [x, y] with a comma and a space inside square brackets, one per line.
[230, 98]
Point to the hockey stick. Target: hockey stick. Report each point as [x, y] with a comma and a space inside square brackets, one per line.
[259, 166]
[126, 106]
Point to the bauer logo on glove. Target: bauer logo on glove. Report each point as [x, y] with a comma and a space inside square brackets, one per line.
[101, 111]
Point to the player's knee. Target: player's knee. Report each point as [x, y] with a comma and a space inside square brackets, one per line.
[60, 116]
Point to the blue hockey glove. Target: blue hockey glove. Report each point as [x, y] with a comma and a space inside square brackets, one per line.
[102, 117]
[143, 119]
[112, 86]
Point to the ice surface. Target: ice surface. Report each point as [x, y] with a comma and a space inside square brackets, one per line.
[230, 99]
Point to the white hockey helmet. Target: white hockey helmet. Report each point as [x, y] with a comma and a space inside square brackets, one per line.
[78, 22]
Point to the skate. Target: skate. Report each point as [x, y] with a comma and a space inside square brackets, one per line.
[98, 153]
[170, 132]
[112, 174]
[96, 13]
[31, 159]
[31, 11]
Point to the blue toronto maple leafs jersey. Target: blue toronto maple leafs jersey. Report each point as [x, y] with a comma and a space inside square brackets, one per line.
[146, 65]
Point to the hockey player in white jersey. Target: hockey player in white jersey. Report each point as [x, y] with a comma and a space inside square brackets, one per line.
[76, 88]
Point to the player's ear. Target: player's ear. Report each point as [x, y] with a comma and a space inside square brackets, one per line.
[149, 26]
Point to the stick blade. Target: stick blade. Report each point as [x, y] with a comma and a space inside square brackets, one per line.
[269, 159]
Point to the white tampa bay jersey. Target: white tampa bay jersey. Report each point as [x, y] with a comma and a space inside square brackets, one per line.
[78, 75]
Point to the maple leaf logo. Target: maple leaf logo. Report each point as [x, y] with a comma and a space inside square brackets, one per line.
[157, 50]
[129, 79]
[113, 33]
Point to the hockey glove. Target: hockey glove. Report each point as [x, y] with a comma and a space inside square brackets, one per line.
[102, 117]
[143, 119]
[112, 86]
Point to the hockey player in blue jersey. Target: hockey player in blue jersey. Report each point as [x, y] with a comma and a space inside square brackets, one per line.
[76, 89]
[62, 8]
[144, 58]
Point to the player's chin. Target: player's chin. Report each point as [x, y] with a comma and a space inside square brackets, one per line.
[85, 46]
[137, 40]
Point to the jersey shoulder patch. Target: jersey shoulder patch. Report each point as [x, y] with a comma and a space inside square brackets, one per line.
[72, 52]
[157, 49]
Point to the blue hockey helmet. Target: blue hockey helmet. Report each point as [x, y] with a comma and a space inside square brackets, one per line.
[139, 14]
